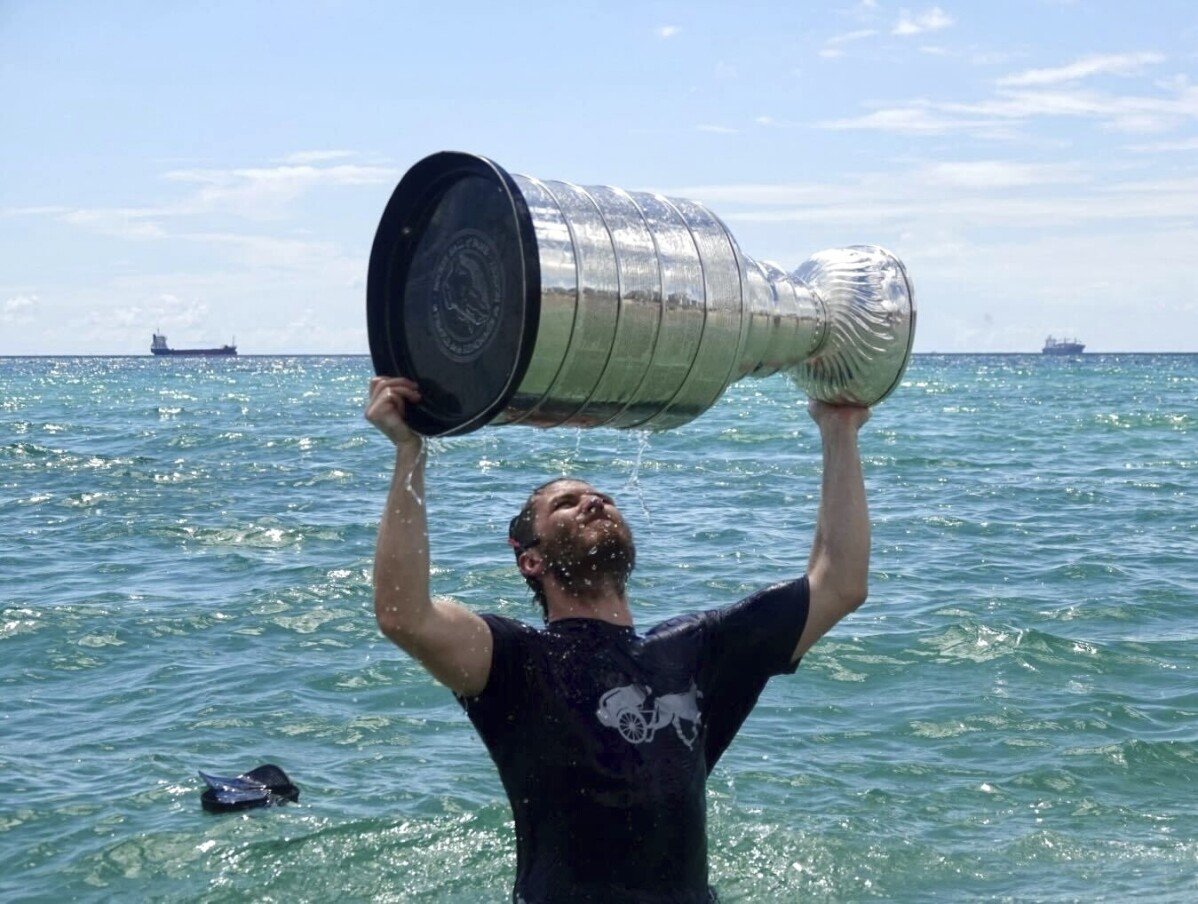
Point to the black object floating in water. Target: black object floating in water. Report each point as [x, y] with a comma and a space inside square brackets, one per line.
[262, 787]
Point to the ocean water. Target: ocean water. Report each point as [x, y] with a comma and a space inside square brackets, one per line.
[185, 583]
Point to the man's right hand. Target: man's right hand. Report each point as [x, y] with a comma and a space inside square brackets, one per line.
[387, 408]
[448, 639]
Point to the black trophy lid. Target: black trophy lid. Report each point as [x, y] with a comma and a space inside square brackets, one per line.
[453, 294]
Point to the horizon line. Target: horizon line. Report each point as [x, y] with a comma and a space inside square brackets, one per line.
[367, 354]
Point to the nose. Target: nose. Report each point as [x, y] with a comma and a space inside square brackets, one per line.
[591, 502]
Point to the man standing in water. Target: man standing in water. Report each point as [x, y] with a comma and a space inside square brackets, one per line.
[604, 738]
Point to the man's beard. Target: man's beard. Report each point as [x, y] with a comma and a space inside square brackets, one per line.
[583, 565]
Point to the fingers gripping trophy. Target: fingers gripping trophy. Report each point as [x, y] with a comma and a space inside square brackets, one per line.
[511, 300]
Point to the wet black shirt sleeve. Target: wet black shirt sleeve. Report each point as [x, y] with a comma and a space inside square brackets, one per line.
[746, 644]
[508, 682]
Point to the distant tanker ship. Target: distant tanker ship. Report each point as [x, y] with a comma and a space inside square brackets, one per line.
[159, 347]
[1053, 346]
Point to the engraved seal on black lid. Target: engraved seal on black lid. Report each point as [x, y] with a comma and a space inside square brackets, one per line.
[467, 295]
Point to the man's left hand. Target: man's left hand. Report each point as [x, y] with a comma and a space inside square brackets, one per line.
[826, 415]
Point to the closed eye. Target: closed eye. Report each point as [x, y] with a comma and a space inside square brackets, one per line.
[565, 500]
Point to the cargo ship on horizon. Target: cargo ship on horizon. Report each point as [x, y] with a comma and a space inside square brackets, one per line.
[1053, 346]
[159, 347]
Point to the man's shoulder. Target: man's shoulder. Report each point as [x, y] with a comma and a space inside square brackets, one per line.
[514, 652]
[507, 620]
[677, 626]
[505, 627]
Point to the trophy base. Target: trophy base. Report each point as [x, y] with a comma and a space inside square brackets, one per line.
[453, 293]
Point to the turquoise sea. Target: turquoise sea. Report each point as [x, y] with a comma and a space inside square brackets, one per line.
[185, 583]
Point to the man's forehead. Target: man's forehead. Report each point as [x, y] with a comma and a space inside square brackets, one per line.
[566, 485]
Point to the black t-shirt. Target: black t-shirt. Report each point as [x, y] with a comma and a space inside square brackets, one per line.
[604, 740]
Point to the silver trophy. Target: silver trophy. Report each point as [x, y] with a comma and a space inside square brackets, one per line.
[516, 301]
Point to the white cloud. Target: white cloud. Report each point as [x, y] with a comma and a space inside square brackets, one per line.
[301, 257]
[964, 195]
[932, 19]
[166, 312]
[717, 130]
[763, 193]
[121, 222]
[253, 193]
[34, 211]
[316, 156]
[261, 192]
[18, 309]
[1124, 113]
[998, 174]
[1103, 64]
[972, 55]
[999, 116]
[1179, 81]
[667, 31]
[309, 326]
[834, 46]
[919, 117]
[993, 57]
[866, 12]
[1186, 144]
[1185, 184]
[981, 210]
[288, 175]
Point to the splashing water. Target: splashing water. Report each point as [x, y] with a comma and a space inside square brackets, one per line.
[421, 460]
[634, 478]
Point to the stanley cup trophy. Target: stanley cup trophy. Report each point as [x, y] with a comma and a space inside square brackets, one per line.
[515, 301]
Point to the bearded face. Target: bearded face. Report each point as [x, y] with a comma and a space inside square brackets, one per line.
[586, 541]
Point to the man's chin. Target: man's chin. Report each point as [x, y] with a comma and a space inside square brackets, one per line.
[600, 564]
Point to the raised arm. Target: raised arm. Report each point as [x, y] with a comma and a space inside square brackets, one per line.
[838, 570]
[448, 639]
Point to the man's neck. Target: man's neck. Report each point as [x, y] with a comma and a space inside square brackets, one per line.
[604, 602]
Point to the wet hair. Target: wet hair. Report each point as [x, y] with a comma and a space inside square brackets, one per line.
[522, 535]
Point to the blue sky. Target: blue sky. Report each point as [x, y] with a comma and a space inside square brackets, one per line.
[218, 169]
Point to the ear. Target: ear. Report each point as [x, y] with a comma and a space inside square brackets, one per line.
[531, 564]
